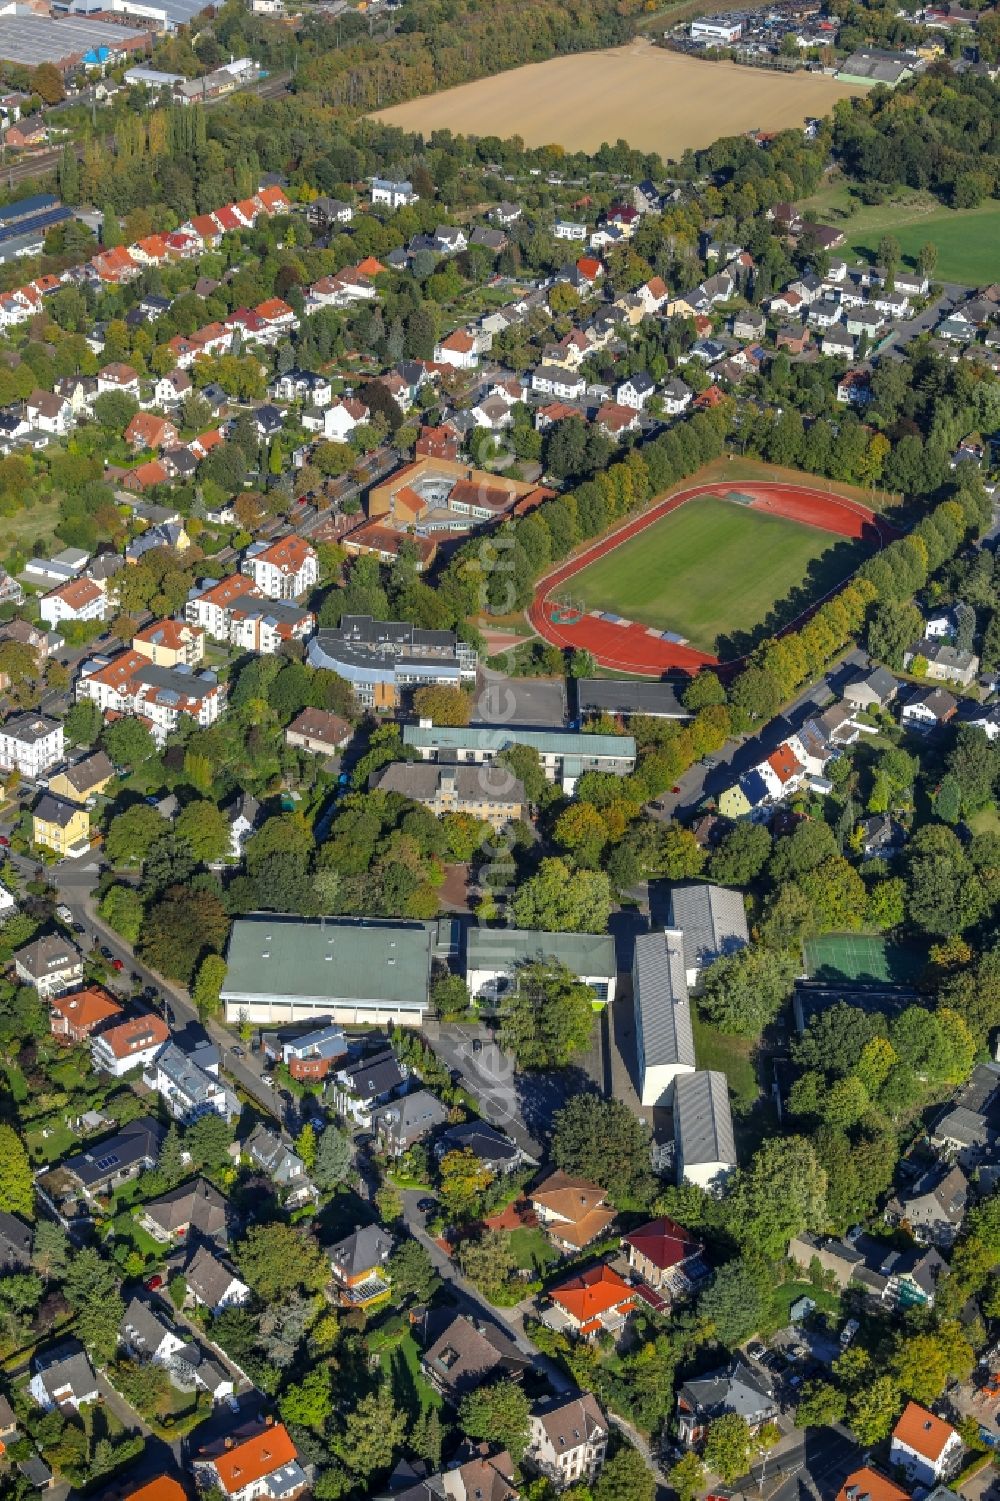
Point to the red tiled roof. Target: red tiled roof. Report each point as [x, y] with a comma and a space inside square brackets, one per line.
[256, 1457]
[664, 1242]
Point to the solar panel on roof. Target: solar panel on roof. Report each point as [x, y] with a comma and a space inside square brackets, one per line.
[35, 224]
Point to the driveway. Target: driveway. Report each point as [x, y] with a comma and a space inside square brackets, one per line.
[952, 293]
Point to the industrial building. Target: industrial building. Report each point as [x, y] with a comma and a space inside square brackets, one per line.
[68, 42]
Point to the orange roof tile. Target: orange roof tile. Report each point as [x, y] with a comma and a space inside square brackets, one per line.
[272, 307]
[592, 1293]
[869, 1483]
[921, 1431]
[288, 554]
[160, 1489]
[784, 763]
[250, 1461]
[141, 1032]
[369, 266]
[85, 1008]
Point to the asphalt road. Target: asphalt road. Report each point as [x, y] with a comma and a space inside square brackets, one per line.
[952, 292]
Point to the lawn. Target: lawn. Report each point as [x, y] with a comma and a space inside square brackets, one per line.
[731, 1056]
[788, 1293]
[410, 1387]
[986, 821]
[29, 525]
[966, 239]
[532, 1249]
[712, 569]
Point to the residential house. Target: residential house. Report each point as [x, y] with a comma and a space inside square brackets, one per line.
[194, 1206]
[933, 1208]
[737, 1388]
[147, 1335]
[491, 1148]
[459, 349]
[72, 1018]
[713, 921]
[462, 1355]
[662, 1009]
[15, 1245]
[945, 663]
[597, 1301]
[211, 1282]
[568, 1439]
[132, 1044]
[310, 1055]
[244, 1466]
[170, 643]
[359, 1263]
[571, 1211]
[892, 1278]
[63, 1377]
[116, 1159]
[360, 1088]
[868, 1483]
[319, 731]
[676, 397]
[189, 1084]
[148, 431]
[51, 964]
[76, 599]
[60, 826]
[781, 772]
[32, 743]
[874, 691]
[392, 194]
[284, 569]
[667, 1257]
[928, 708]
[49, 413]
[635, 391]
[130, 684]
[703, 1129]
[924, 1446]
[881, 837]
[283, 1166]
[401, 1123]
[118, 377]
[84, 780]
[305, 386]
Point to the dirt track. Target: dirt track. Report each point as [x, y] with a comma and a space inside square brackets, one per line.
[633, 648]
[656, 100]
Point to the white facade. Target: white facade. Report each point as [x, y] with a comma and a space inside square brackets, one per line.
[926, 1469]
[285, 569]
[74, 601]
[188, 1090]
[32, 744]
[565, 229]
[393, 194]
[716, 29]
[121, 1060]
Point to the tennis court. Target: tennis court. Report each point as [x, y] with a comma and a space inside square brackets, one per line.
[862, 959]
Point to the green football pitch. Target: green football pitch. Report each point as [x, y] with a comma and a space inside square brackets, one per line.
[712, 568]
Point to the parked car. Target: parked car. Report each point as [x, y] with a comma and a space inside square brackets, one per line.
[63, 913]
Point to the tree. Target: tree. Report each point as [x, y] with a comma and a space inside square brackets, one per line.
[927, 258]
[738, 1301]
[179, 928]
[48, 83]
[741, 855]
[821, 1405]
[17, 1191]
[305, 1145]
[744, 992]
[122, 909]
[91, 1289]
[132, 834]
[208, 1140]
[50, 1250]
[462, 1181]
[687, 1476]
[500, 1413]
[603, 1141]
[208, 985]
[310, 1403]
[488, 1262]
[205, 829]
[128, 743]
[835, 1039]
[729, 1447]
[625, 1477]
[450, 996]
[276, 1259]
[780, 1194]
[547, 1016]
[411, 1272]
[924, 1363]
[443, 705]
[170, 1160]
[334, 1155]
[83, 722]
[873, 1409]
[372, 1434]
[558, 900]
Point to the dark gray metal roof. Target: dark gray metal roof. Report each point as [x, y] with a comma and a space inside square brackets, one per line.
[712, 919]
[663, 1011]
[703, 1121]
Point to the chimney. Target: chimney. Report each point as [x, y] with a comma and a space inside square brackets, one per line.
[228, 1441]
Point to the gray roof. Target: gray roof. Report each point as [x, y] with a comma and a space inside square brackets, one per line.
[272, 1154]
[628, 696]
[48, 956]
[142, 1327]
[703, 1121]
[208, 1277]
[373, 1076]
[505, 948]
[367, 1248]
[138, 1142]
[713, 920]
[422, 781]
[735, 1388]
[411, 1117]
[570, 1422]
[15, 1242]
[29, 728]
[350, 960]
[663, 1010]
[66, 1365]
[86, 773]
[880, 682]
[489, 1144]
[196, 1204]
[55, 810]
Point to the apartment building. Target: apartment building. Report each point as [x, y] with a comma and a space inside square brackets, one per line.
[170, 643]
[209, 606]
[130, 684]
[284, 569]
[31, 744]
[131, 1044]
[189, 1084]
[76, 599]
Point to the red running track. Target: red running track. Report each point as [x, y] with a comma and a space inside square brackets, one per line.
[642, 650]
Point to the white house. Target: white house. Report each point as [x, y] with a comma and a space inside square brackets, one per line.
[393, 194]
[340, 419]
[458, 350]
[568, 1439]
[716, 30]
[63, 1377]
[555, 380]
[635, 391]
[132, 1044]
[32, 744]
[663, 1033]
[49, 413]
[284, 569]
[213, 1284]
[703, 1129]
[925, 1446]
[77, 599]
[189, 1084]
[266, 1464]
[566, 229]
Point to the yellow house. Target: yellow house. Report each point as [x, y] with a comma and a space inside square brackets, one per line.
[61, 826]
[79, 783]
[733, 803]
[679, 307]
[171, 643]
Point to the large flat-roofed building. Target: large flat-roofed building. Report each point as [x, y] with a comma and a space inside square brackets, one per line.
[627, 696]
[481, 792]
[564, 754]
[492, 957]
[161, 15]
[379, 658]
[663, 1035]
[348, 970]
[66, 41]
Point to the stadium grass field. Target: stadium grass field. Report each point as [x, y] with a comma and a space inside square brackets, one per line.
[709, 568]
